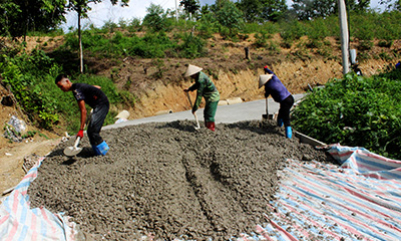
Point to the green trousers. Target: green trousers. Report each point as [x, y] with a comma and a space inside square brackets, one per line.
[210, 111]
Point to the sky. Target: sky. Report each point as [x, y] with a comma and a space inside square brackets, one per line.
[104, 12]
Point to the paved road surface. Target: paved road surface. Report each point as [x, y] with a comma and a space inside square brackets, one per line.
[252, 110]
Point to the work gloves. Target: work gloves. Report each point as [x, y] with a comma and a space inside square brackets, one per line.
[80, 133]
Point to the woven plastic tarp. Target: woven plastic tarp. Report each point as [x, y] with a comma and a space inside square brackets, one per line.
[361, 200]
[18, 222]
[358, 201]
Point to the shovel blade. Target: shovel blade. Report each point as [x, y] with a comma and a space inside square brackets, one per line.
[72, 151]
[267, 117]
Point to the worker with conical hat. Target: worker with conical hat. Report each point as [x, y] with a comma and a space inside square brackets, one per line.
[205, 88]
[280, 94]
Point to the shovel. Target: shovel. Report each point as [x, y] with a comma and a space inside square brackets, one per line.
[73, 150]
[197, 127]
[267, 115]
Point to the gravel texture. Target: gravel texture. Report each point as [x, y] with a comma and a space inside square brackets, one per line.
[168, 180]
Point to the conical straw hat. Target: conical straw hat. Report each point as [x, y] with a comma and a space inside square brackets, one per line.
[192, 69]
[122, 115]
[264, 78]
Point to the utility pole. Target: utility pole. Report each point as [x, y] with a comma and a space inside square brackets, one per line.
[176, 10]
[344, 35]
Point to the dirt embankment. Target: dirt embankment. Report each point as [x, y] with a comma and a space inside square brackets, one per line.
[169, 181]
[236, 76]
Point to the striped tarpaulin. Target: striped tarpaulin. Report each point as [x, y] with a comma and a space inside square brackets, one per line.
[361, 200]
[18, 222]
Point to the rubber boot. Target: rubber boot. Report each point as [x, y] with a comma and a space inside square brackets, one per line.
[210, 125]
[280, 122]
[95, 150]
[213, 126]
[102, 149]
[288, 132]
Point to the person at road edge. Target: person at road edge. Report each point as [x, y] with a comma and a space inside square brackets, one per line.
[280, 94]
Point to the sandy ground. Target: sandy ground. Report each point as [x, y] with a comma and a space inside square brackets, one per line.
[12, 159]
[13, 154]
[169, 181]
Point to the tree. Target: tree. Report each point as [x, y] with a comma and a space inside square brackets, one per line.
[359, 6]
[205, 9]
[21, 16]
[155, 17]
[263, 10]
[272, 10]
[190, 6]
[391, 4]
[82, 7]
[310, 9]
[228, 15]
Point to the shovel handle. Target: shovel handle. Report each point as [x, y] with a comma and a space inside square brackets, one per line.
[189, 99]
[197, 121]
[77, 142]
[196, 117]
[267, 106]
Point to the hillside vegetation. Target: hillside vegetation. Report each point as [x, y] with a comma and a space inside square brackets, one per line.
[135, 62]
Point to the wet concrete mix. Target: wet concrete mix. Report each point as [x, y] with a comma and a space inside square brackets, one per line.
[169, 180]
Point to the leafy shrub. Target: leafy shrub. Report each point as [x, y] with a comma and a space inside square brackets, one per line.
[207, 26]
[192, 46]
[29, 76]
[261, 39]
[273, 47]
[365, 45]
[313, 43]
[268, 27]
[293, 30]
[135, 25]
[385, 44]
[317, 29]
[355, 111]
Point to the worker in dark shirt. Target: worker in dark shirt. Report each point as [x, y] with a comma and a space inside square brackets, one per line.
[280, 94]
[95, 98]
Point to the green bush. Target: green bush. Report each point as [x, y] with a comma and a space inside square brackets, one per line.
[293, 30]
[29, 76]
[192, 46]
[367, 26]
[355, 111]
[261, 39]
[268, 27]
[317, 29]
[365, 45]
[385, 43]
